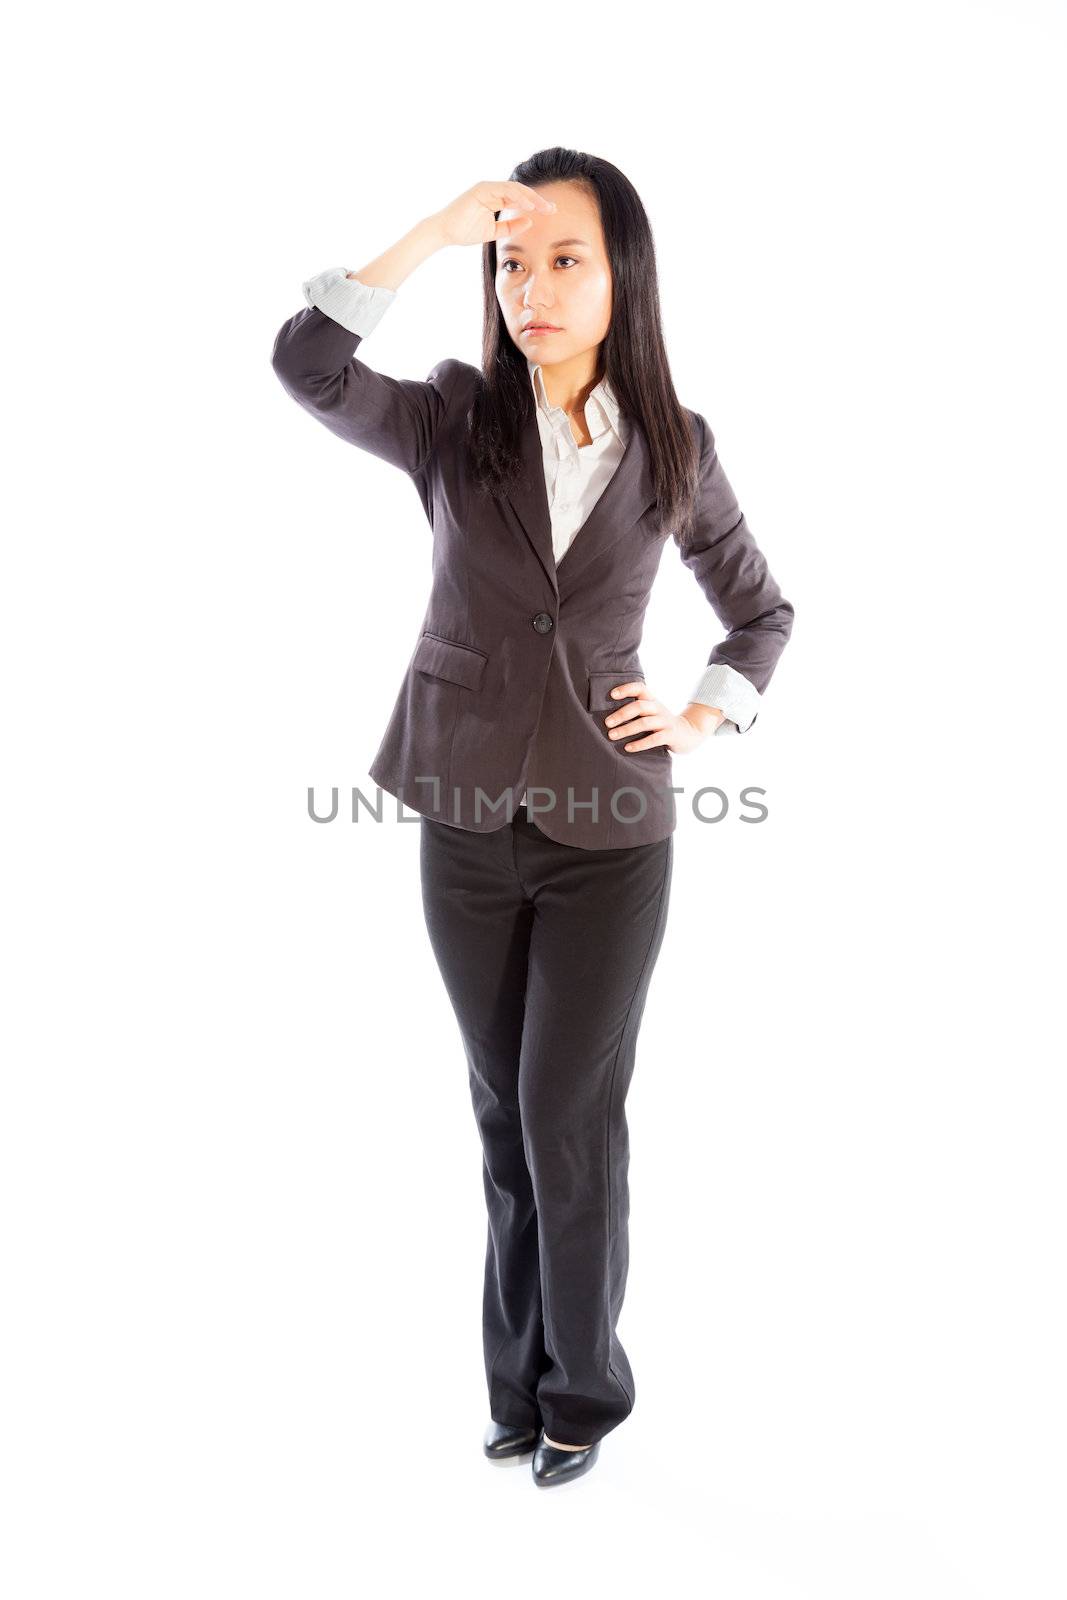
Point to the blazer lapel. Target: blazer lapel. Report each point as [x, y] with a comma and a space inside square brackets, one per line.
[629, 493]
[529, 498]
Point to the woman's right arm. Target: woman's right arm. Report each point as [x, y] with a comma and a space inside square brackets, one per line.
[314, 356]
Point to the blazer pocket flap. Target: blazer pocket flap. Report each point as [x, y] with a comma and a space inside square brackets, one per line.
[602, 681]
[456, 663]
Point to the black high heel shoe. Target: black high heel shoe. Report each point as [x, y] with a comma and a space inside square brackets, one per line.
[551, 1466]
[503, 1440]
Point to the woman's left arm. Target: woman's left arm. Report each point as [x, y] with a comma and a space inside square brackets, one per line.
[733, 573]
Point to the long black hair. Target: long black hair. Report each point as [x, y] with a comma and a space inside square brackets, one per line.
[633, 358]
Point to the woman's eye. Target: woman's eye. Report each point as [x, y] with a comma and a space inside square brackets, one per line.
[512, 262]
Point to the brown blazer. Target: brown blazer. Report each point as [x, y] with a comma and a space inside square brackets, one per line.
[508, 684]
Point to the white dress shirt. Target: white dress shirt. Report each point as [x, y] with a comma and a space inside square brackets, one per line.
[575, 476]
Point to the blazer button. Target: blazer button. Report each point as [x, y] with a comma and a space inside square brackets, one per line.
[543, 622]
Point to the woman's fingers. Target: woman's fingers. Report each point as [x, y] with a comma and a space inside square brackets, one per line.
[471, 217]
[514, 201]
[642, 706]
[500, 194]
[638, 686]
[645, 723]
[508, 224]
[652, 723]
[637, 717]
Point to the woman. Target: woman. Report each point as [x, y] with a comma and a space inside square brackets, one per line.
[551, 478]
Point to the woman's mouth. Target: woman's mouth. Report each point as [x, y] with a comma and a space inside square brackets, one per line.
[541, 327]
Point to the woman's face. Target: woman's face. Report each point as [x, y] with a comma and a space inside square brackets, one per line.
[556, 271]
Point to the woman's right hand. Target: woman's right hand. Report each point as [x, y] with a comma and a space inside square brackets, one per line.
[469, 218]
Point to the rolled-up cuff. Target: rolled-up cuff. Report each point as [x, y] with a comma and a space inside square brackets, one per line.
[357, 306]
[724, 688]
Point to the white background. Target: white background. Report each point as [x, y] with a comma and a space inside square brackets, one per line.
[243, 1220]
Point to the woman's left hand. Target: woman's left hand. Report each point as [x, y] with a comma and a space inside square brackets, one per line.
[644, 723]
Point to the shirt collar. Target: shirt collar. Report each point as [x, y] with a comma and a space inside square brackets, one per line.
[602, 393]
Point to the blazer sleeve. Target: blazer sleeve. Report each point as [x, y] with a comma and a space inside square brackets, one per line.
[398, 419]
[733, 574]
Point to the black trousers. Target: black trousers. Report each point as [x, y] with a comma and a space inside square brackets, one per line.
[547, 951]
